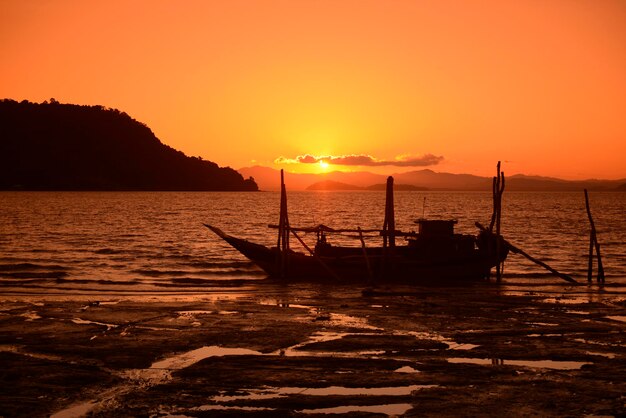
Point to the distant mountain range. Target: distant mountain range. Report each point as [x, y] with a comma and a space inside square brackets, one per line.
[335, 185]
[269, 179]
[54, 146]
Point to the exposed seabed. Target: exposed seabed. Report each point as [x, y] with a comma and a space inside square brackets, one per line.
[307, 350]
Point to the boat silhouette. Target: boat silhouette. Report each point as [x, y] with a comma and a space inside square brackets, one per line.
[432, 255]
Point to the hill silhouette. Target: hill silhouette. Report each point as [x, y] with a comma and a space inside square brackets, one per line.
[332, 185]
[269, 179]
[398, 187]
[54, 146]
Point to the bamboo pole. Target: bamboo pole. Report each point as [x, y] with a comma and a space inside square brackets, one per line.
[316, 257]
[283, 228]
[389, 226]
[495, 207]
[521, 252]
[389, 223]
[367, 259]
[593, 242]
[497, 191]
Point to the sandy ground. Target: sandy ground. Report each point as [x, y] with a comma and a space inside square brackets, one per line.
[306, 350]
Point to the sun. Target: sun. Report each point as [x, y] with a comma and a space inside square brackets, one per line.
[323, 165]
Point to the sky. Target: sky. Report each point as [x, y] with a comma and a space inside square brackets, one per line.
[318, 85]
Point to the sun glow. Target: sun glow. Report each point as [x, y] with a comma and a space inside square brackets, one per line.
[234, 81]
[324, 165]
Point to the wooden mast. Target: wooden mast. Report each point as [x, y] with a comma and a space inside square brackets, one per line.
[389, 224]
[389, 227]
[283, 228]
[498, 189]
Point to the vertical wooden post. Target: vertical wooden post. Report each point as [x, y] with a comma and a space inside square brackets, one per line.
[283, 228]
[593, 242]
[389, 224]
[494, 192]
[600, 266]
[498, 189]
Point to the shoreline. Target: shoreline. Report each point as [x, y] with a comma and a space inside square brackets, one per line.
[436, 350]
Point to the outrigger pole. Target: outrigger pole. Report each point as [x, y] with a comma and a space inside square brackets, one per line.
[517, 250]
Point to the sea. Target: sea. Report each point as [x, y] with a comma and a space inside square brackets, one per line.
[90, 245]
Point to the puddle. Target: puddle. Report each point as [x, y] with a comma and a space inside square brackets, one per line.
[229, 408]
[201, 312]
[157, 328]
[566, 301]
[296, 306]
[351, 322]
[317, 337]
[390, 409]
[30, 316]
[577, 312]
[594, 342]
[18, 350]
[452, 345]
[406, 369]
[76, 411]
[607, 355]
[191, 357]
[620, 318]
[324, 336]
[533, 364]
[158, 373]
[333, 319]
[283, 304]
[193, 313]
[543, 324]
[276, 392]
[80, 321]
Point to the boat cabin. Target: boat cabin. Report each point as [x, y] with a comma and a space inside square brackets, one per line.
[439, 228]
[437, 237]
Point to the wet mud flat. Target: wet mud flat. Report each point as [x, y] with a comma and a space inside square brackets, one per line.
[311, 350]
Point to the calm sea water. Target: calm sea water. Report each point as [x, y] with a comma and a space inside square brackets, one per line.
[128, 243]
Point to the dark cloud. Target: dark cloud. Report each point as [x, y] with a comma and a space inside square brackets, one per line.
[364, 160]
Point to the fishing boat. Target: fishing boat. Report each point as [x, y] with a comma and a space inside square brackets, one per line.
[425, 258]
[431, 255]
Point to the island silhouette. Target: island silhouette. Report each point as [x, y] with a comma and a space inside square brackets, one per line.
[55, 146]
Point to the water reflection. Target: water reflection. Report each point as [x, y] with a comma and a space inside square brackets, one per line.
[388, 409]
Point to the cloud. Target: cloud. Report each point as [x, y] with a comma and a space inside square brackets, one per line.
[363, 160]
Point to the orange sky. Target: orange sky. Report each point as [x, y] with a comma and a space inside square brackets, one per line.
[540, 85]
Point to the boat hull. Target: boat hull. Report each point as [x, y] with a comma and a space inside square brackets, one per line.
[401, 264]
